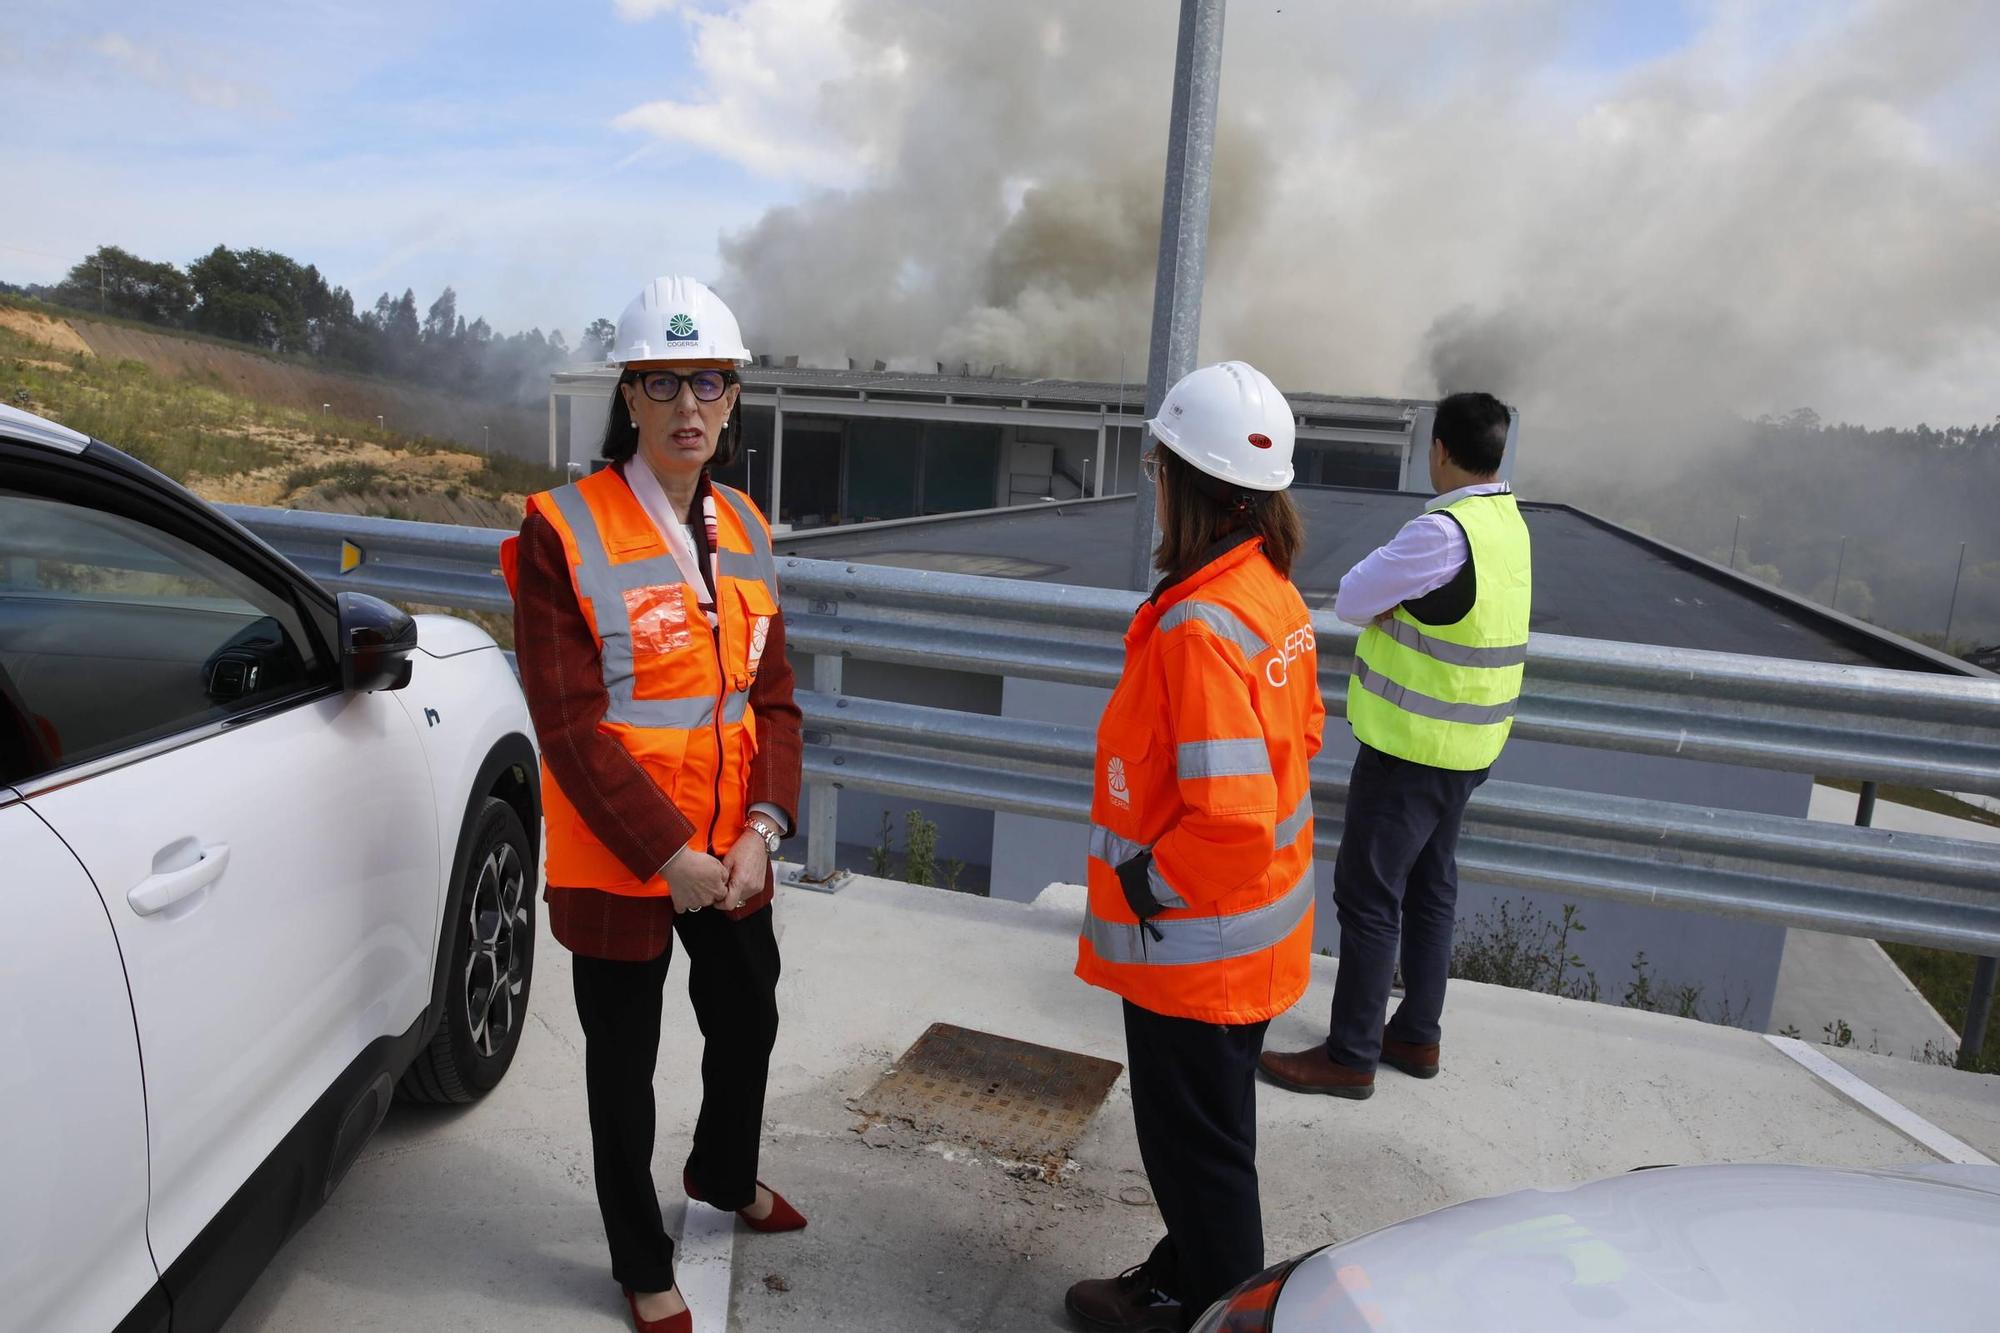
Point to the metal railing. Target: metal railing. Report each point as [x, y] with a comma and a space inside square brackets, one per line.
[1935, 731]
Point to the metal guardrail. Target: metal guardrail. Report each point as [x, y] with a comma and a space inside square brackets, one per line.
[1828, 721]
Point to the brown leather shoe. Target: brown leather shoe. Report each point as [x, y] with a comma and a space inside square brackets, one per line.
[1126, 1302]
[1312, 1070]
[1414, 1060]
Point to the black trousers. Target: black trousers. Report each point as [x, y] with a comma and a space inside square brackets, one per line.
[1194, 1103]
[1396, 877]
[733, 983]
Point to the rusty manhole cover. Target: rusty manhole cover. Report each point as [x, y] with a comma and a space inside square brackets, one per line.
[1011, 1096]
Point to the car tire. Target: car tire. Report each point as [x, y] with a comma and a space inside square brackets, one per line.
[491, 938]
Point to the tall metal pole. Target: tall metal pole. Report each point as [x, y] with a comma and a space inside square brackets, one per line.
[1733, 541]
[1978, 1010]
[1952, 614]
[1839, 567]
[1183, 239]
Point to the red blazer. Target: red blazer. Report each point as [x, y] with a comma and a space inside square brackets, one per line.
[560, 674]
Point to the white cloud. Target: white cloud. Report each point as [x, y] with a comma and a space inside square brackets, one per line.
[175, 72]
[636, 11]
[767, 67]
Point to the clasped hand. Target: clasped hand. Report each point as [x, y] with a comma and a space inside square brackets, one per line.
[699, 880]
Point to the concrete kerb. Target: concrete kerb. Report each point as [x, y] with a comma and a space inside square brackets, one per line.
[485, 1218]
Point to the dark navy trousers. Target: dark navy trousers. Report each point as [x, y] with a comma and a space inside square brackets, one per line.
[1395, 883]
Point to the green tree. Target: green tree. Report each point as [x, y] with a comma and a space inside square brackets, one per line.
[117, 282]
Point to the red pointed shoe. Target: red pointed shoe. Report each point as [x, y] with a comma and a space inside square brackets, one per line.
[783, 1216]
[673, 1323]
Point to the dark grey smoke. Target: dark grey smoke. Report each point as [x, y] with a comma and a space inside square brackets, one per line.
[1798, 206]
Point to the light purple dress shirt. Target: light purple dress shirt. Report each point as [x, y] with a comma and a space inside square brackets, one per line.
[1424, 556]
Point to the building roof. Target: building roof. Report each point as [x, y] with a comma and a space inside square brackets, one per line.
[1593, 579]
[1391, 414]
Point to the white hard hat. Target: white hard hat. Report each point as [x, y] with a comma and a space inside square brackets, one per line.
[677, 319]
[1230, 421]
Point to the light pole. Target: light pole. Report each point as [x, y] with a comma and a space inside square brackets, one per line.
[323, 407]
[378, 422]
[1183, 239]
[1951, 615]
[489, 438]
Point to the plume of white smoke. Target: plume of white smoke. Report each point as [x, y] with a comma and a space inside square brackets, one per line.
[1793, 205]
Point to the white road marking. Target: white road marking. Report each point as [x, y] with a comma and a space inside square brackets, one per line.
[1881, 1104]
[701, 1265]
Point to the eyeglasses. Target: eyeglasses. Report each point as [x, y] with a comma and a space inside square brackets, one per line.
[1150, 465]
[663, 386]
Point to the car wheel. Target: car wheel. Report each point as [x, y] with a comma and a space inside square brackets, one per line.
[492, 943]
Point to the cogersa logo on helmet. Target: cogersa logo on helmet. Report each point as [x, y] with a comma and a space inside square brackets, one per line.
[681, 329]
[1114, 782]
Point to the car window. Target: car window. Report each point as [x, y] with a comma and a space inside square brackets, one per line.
[114, 633]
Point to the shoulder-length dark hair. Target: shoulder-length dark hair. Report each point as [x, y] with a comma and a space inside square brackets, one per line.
[1201, 511]
[621, 441]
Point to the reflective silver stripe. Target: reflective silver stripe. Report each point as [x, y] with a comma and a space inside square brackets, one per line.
[1163, 892]
[1410, 701]
[1454, 654]
[607, 600]
[1111, 849]
[1220, 620]
[760, 541]
[1293, 824]
[1202, 939]
[1115, 851]
[686, 714]
[1224, 759]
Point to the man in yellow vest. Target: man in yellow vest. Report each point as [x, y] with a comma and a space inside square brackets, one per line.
[1444, 611]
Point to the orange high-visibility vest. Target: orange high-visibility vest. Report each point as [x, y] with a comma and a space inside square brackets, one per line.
[679, 689]
[1202, 757]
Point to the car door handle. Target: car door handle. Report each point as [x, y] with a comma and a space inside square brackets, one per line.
[156, 893]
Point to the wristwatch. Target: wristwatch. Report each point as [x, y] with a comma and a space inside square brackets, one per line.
[764, 829]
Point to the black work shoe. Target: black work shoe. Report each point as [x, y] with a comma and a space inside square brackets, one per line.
[1128, 1301]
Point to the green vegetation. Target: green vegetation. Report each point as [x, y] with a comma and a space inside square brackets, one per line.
[270, 301]
[1946, 981]
[334, 479]
[1520, 947]
[181, 428]
[1919, 798]
[920, 848]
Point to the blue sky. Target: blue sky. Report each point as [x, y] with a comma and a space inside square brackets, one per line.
[395, 145]
[416, 144]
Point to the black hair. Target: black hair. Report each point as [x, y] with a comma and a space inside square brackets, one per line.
[621, 441]
[1472, 427]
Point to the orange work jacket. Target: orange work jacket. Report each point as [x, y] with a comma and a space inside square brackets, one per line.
[679, 689]
[1202, 758]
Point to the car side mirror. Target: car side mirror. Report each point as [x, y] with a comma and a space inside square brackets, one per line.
[376, 640]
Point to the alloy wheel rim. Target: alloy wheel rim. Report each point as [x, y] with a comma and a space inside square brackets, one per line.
[497, 919]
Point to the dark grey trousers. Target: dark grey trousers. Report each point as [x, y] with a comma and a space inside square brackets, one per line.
[1395, 882]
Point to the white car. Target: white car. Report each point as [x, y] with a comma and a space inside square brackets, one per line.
[1721, 1249]
[268, 856]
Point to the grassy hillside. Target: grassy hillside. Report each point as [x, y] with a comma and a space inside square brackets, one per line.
[229, 447]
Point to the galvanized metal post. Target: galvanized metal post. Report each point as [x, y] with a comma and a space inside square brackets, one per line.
[1183, 239]
[823, 822]
[1864, 810]
[1952, 614]
[1839, 568]
[1735, 541]
[1978, 1010]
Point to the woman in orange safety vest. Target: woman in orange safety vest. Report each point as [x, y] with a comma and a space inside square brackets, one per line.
[652, 654]
[1201, 873]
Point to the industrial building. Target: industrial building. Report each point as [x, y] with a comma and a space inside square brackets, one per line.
[829, 447]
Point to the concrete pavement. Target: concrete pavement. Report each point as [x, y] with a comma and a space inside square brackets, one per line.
[484, 1218]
